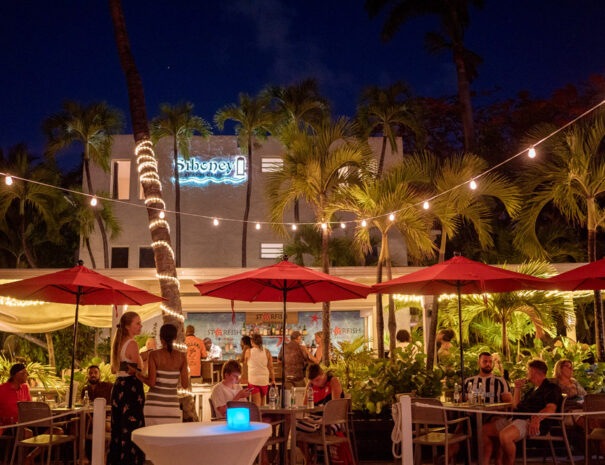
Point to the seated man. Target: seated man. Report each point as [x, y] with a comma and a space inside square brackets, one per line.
[228, 389]
[213, 351]
[496, 387]
[13, 391]
[95, 387]
[544, 398]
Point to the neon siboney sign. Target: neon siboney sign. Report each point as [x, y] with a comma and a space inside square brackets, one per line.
[220, 170]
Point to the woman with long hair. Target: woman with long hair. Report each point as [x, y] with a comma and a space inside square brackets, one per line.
[166, 367]
[260, 369]
[246, 344]
[127, 396]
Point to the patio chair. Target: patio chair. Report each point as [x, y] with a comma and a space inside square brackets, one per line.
[593, 403]
[213, 415]
[335, 414]
[278, 438]
[32, 411]
[432, 428]
[558, 432]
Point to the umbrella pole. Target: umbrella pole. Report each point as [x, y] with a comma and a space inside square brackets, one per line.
[73, 350]
[283, 353]
[460, 340]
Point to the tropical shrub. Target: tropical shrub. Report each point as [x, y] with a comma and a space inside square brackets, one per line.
[41, 373]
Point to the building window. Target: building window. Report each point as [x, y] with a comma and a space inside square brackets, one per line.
[120, 179]
[271, 164]
[146, 257]
[119, 257]
[271, 250]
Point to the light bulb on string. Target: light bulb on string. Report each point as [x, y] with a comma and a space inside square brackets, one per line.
[93, 202]
[531, 153]
[8, 180]
[342, 225]
[425, 205]
[293, 227]
[162, 214]
[364, 223]
[215, 222]
[392, 217]
[324, 226]
[257, 226]
[473, 185]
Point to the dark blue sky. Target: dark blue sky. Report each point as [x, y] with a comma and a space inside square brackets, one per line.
[208, 51]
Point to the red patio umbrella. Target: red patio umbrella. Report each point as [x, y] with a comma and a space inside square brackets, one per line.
[79, 286]
[586, 277]
[284, 282]
[465, 277]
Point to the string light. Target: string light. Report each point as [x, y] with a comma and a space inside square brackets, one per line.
[181, 347]
[10, 302]
[364, 223]
[163, 244]
[392, 217]
[257, 226]
[473, 184]
[156, 223]
[293, 227]
[531, 153]
[342, 225]
[165, 277]
[215, 222]
[324, 226]
[170, 312]
[163, 215]
[93, 202]
[8, 180]
[425, 205]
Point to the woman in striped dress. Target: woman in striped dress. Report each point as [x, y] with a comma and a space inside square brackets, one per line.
[166, 368]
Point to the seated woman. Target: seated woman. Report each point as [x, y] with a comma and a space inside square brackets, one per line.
[569, 386]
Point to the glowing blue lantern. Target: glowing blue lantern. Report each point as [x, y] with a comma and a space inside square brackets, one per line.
[238, 418]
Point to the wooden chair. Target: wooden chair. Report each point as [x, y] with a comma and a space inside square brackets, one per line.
[432, 428]
[207, 372]
[213, 414]
[278, 437]
[336, 413]
[593, 403]
[558, 432]
[32, 411]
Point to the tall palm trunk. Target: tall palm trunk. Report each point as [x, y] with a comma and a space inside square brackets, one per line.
[92, 257]
[505, 344]
[382, 153]
[177, 204]
[51, 349]
[598, 301]
[325, 267]
[247, 209]
[296, 211]
[28, 255]
[86, 161]
[379, 311]
[430, 350]
[392, 323]
[164, 261]
[464, 95]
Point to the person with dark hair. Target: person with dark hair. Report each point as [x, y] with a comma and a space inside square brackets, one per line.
[444, 343]
[260, 370]
[95, 387]
[214, 352]
[404, 342]
[167, 367]
[496, 388]
[127, 395]
[245, 343]
[13, 391]
[296, 357]
[196, 352]
[545, 398]
[325, 386]
[228, 389]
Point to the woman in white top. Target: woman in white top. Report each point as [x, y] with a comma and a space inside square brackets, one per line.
[127, 395]
[260, 370]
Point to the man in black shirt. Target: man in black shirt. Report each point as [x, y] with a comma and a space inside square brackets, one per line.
[544, 398]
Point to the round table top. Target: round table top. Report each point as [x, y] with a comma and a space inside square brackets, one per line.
[184, 431]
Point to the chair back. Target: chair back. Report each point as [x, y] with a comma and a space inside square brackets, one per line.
[32, 411]
[213, 415]
[336, 412]
[427, 415]
[595, 403]
[206, 370]
[255, 414]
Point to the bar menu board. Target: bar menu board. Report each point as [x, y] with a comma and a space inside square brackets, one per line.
[345, 326]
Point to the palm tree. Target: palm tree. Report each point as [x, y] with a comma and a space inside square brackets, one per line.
[297, 107]
[383, 111]
[181, 124]
[454, 17]
[377, 199]
[93, 126]
[537, 311]
[148, 173]
[314, 168]
[455, 206]
[29, 200]
[254, 121]
[570, 177]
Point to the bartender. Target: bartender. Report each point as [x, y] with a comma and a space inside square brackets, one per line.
[214, 352]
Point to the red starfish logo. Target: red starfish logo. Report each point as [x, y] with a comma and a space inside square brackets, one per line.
[337, 331]
[218, 332]
[315, 318]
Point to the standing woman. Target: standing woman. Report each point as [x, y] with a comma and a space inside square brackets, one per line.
[127, 396]
[166, 368]
[246, 344]
[260, 369]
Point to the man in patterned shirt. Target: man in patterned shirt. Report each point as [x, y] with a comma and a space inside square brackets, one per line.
[495, 387]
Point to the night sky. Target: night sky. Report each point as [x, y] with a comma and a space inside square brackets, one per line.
[207, 52]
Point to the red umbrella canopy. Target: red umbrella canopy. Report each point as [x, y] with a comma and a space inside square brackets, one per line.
[473, 278]
[268, 284]
[587, 277]
[63, 286]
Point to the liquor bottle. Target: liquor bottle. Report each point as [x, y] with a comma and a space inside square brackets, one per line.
[304, 331]
[244, 328]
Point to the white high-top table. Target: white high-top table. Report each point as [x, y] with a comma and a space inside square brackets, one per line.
[209, 443]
